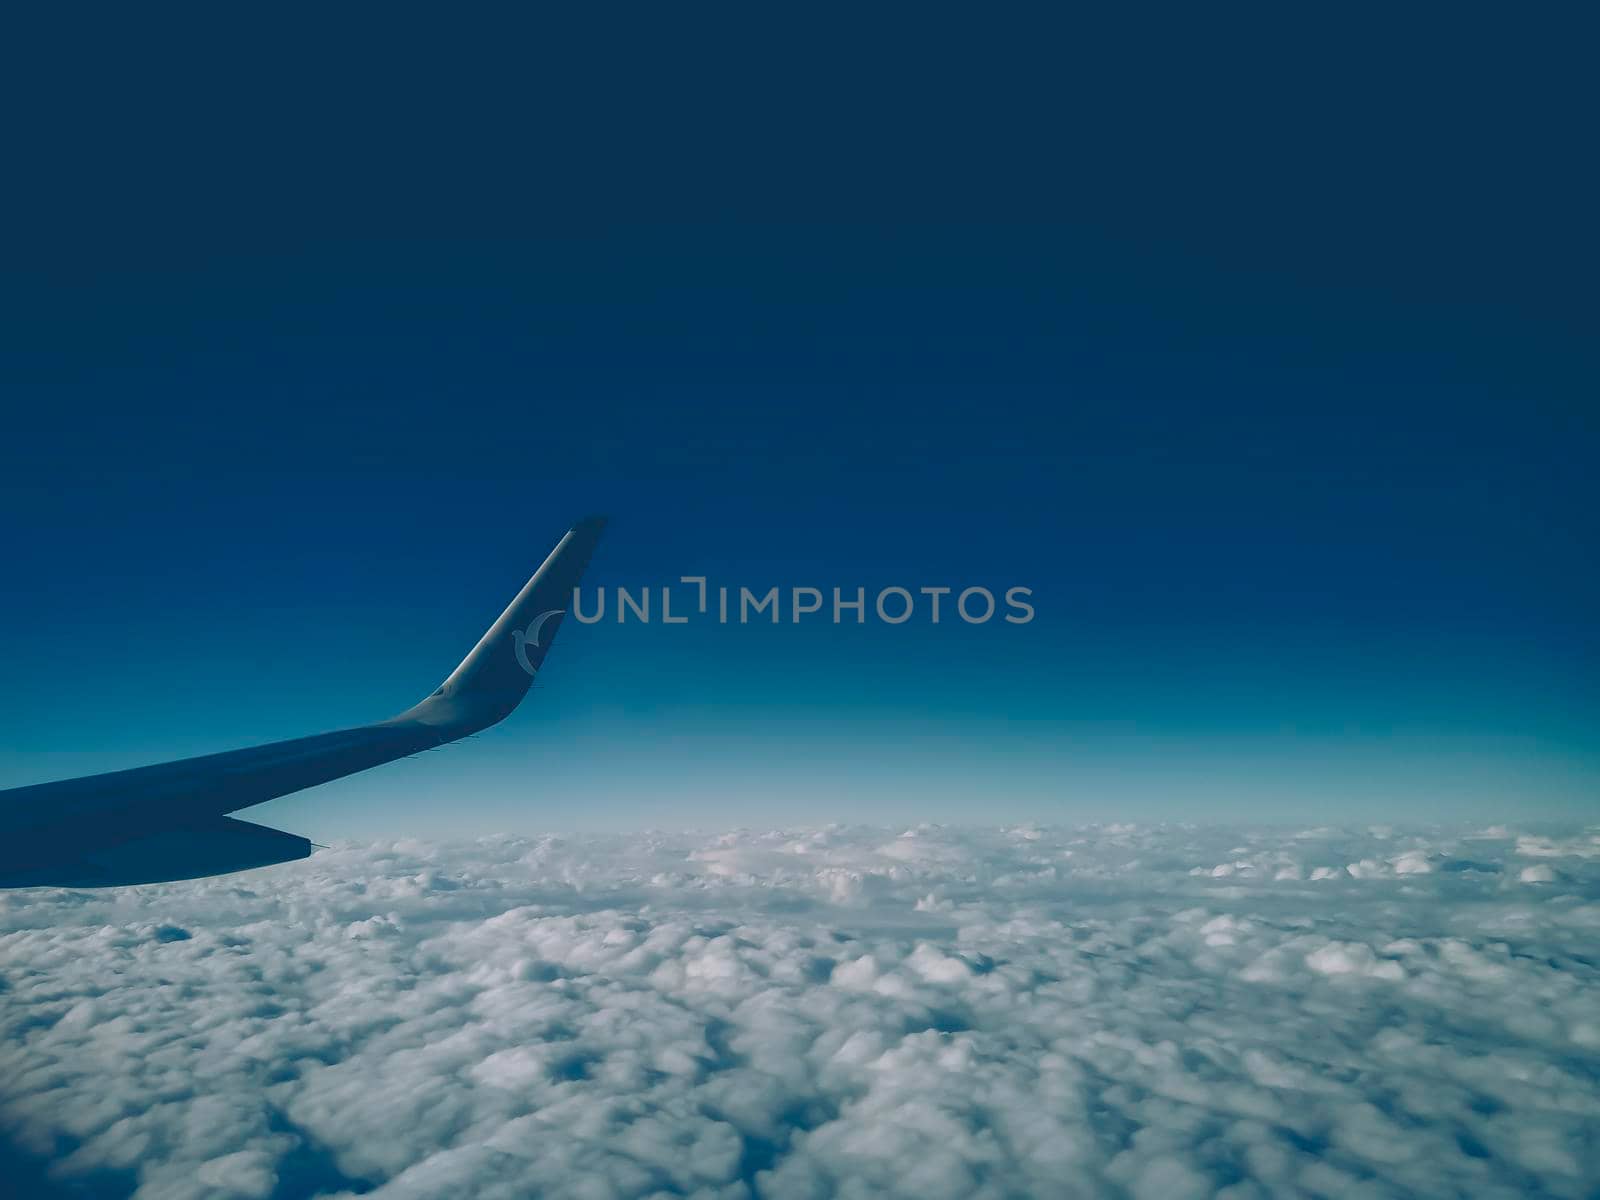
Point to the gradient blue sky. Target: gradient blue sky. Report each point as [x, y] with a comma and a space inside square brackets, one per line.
[1295, 449]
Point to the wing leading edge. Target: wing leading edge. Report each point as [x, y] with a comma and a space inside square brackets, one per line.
[168, 821]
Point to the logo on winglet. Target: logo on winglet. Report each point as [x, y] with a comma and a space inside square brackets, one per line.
[522, 639]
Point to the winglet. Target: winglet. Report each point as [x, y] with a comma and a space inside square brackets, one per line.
[494, 677]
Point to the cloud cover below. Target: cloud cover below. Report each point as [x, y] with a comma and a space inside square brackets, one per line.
[1154, 1013]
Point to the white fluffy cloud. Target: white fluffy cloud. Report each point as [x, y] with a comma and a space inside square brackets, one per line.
[1115, 1011]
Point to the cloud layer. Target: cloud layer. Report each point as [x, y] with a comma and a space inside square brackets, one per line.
[1154, 1013]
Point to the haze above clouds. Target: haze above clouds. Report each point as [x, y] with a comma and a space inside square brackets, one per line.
[1155, 1013]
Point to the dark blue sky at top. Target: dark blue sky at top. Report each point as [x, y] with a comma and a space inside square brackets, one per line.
[1277, 390]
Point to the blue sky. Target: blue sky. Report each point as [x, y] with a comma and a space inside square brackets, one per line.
[1277, 392]
[1281, 566]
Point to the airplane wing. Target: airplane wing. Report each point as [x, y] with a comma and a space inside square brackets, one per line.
[169, 821]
